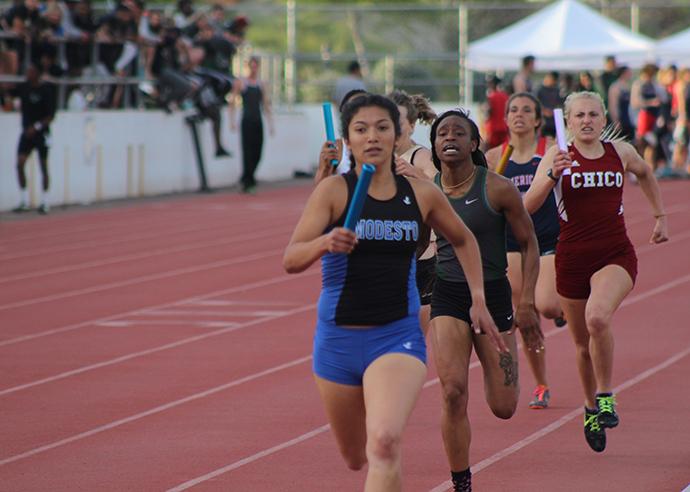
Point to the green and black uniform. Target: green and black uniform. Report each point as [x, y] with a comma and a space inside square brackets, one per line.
[452, 295]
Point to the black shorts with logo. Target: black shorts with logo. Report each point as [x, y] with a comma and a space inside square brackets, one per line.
[454, 299]
[426, 277]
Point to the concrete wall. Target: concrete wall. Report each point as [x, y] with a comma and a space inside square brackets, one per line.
[99, 155]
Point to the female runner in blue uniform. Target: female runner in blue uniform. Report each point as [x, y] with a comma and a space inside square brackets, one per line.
[523, 116]
[369, 351]
[486, 202]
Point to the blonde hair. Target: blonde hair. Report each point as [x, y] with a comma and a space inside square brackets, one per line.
[611, 133]
[575, 96]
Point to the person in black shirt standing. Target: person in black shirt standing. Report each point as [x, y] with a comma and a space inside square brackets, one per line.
[38, 106]
[254, 100]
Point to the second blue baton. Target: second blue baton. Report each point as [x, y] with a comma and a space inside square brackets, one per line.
[330, 131]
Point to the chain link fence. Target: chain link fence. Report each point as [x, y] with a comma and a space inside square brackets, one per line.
[415, 47]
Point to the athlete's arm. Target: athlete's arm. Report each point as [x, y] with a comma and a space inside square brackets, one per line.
[504, 196]
[424, 162]
[633, 163]
[308, 242]
[439, 215]
[542, 184]
[421, 168]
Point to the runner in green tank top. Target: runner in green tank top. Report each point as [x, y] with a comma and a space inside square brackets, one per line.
[486, 202]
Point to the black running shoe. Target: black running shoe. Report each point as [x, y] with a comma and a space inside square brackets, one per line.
[560, 322]
[608, 418]
[594, 433]
[463, 485]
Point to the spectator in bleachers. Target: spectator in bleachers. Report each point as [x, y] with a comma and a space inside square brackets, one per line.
[117, 34]
[22, 21]
[185, 17]
[83, 29]
[167, 67]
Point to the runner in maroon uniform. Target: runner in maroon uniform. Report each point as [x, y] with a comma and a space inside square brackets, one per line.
[595, 261]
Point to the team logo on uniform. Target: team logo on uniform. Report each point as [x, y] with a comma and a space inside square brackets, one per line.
[407, 200]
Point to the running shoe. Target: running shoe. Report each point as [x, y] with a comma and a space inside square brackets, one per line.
[608, 418]
[463, 485]
[594, 433]
[541, 398]
[560, 322]
[22, 207]
[43, 209]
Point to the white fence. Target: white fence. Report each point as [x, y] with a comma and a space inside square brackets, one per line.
[103, 155]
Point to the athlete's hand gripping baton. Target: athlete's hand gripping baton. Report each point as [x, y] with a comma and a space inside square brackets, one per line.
[330, 132]
[360, 195]
[561, 137]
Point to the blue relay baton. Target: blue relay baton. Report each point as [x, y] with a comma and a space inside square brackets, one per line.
[360, 195]
[330, 132]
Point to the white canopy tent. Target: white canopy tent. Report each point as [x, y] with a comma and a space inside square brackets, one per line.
[566, 35]
[674, 49]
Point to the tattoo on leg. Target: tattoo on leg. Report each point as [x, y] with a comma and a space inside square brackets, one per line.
[510, 369]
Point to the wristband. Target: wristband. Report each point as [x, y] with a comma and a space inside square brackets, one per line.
[549, 173]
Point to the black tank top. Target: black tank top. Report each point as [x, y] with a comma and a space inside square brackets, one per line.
[375, 284]
[252, 97]
[487, 225]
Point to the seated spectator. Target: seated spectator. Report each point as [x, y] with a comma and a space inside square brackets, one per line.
[83, 28]
[118, 34]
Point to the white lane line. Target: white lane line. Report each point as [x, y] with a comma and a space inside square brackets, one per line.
[473, 365]
[250, 459]
[152, 411]
[126, 238]
[148, 254]
[643, 249]
[191, 312]
[219, 302]
[153, 350]
[145, 278]
[563, 420]
[197, 323]
[135, 312]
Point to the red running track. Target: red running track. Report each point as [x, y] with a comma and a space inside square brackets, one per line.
[159, 346]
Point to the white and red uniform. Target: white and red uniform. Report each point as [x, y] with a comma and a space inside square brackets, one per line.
[593, 234]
